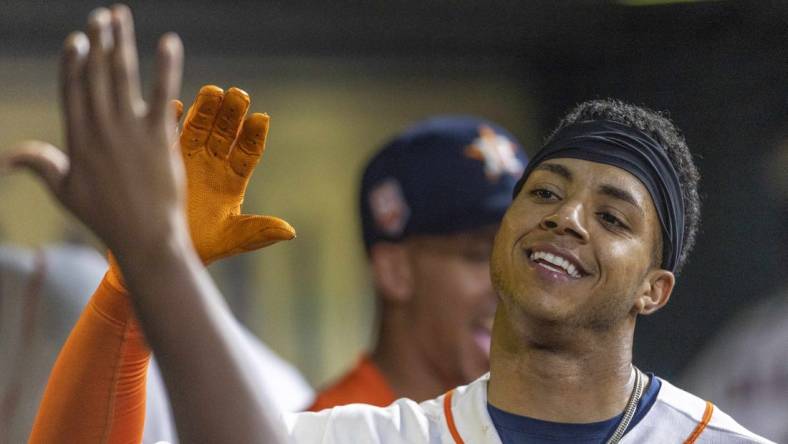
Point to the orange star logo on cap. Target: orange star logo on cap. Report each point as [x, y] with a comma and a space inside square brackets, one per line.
[497, 152]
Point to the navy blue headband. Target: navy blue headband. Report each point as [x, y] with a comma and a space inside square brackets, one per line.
[634, 151]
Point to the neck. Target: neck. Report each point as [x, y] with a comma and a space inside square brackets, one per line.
[409, 373]
[559, 373]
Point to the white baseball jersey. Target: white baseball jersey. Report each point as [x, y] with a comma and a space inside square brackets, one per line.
[461, 417]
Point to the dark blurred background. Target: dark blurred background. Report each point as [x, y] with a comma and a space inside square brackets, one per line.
[341, 77]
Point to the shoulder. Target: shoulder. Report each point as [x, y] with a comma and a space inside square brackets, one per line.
[404, 421]
[362, 384]
[690, 415]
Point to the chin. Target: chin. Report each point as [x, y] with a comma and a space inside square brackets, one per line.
[542, 308]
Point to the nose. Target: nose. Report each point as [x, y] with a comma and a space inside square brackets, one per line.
[567, 219]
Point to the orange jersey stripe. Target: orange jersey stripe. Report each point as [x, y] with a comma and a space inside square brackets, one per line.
[450, 418]
[702, 424]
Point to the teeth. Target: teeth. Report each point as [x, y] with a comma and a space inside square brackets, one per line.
[558, 261]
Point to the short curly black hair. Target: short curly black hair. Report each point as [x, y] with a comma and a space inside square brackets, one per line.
[658, 126]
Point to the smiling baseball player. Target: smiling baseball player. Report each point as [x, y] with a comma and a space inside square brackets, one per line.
[602, 220]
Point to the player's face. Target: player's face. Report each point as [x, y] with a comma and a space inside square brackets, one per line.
[576, 244]
[454, 302]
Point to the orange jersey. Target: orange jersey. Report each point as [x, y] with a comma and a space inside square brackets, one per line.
[364, 384]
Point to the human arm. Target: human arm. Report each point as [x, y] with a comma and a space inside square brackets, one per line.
[96, 389]
[101, 372]
[122, 181]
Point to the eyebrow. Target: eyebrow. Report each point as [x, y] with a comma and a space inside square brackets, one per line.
[555, 168]
[606, 189]
[620, 194]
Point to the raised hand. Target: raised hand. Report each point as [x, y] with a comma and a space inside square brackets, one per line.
[117, 174]
[220, 151]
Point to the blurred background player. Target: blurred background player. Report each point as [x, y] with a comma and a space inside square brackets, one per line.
[429, 257]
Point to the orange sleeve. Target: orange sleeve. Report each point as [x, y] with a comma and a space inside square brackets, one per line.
[96, 391]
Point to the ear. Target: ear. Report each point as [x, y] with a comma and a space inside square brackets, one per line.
[391, 271]
[655, 292]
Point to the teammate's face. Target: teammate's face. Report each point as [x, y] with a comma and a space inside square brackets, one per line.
[576, 245]
[453, 302]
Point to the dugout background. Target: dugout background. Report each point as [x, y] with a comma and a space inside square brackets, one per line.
[339, 78]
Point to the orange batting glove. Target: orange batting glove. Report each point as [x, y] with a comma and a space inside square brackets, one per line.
[220, 149]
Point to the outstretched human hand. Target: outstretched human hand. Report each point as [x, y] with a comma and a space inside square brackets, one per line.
[117, 174]
[220, 151]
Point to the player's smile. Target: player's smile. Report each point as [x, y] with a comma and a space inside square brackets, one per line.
[555, 264]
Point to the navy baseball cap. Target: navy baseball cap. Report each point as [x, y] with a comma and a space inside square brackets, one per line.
[442, 175]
